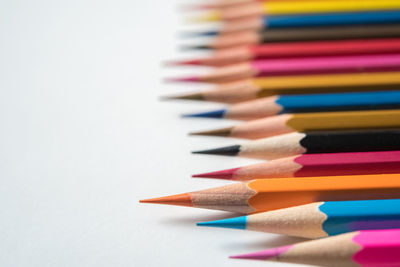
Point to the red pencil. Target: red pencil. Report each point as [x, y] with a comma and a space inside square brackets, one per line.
[297, 49]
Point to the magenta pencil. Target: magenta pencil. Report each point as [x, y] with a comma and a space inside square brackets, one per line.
[298, 66]
[306, 165]
[361, 248]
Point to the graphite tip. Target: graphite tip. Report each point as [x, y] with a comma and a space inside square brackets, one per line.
[218, 132]
[193, 96]
[222, 151]
[195, 47]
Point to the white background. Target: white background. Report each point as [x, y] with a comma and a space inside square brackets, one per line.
[83, 137]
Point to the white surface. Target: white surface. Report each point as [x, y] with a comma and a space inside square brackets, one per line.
[84, 137]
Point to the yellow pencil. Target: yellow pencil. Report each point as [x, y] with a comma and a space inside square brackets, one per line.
[297, 84]
[318, 121]
[298, 7]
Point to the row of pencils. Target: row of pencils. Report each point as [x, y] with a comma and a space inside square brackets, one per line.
[316, 86]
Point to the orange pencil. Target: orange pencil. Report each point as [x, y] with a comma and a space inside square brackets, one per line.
[270, 194]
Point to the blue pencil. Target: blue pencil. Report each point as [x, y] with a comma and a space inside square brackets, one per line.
[270, 106]
[331, 19]
[320, 219]
[318, 20]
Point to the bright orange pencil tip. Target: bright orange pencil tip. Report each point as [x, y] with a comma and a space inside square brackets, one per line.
[179, 200]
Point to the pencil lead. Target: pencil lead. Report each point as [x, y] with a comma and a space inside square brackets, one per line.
[218, 132]
[194, 7]
[216, 114]
[210, 16]
[223, 151]
[264, 254]
[196, 47]
[184, 79]
[179, 200]
[224, 174]
[190, 34]
[234, 223]
[193, 96]
[195, 62]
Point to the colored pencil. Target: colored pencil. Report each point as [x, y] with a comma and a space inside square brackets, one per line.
[298, 7]
[320, 219]
[234, 55]
[286, 123]
[223, 4]
[235, 36]
[329, 164]
[292, 144]
[271, 194]
[362, 248]
[274, 105]
[250, 89]
[295, 66]
[229, 3]
[312, 20]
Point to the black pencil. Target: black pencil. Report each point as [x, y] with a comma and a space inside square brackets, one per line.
[312, 142]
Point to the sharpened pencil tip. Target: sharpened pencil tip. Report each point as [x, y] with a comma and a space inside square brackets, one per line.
[194, 34]
[216, 114]
[264, 254]
[224, 174]
[210, 16]
[218, 132]
[194, 96]
[223, 151]
[179, 200]
[234, 223]
[184, 79]
[194, 62]
[195, 47]
[194, 7]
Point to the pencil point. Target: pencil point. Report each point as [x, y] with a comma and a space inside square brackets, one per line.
[264, 254]
[216, 114]
[234, 223]
[195, 62]
[223, 151]
[184, 79]
[179, 200]
[224, 174]
[194, 96]
[191, 34]
[194, 7]
[195, 47]
[218, 132]
[208, 17]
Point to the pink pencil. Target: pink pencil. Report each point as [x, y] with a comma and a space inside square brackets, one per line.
[371, 248]
[306, 165]
[298, 66]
